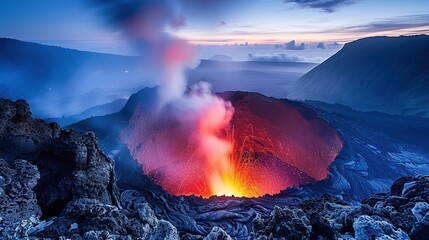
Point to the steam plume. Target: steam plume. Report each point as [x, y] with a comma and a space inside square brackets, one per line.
[201, 114]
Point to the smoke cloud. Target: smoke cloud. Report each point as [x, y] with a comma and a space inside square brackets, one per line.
[199, 112]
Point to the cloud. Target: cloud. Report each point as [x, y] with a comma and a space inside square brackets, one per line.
[392, 24]
[328, 6]
[283, 57]
[321, 45]
[292, 46]
[209, 12]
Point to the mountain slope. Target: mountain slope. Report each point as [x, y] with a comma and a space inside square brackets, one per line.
[387, 74]
[98, 110]
[58, 81]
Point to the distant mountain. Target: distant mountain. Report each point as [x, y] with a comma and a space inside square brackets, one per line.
[220, 57]
[269, 78]
[95, 111]
[386, 74]
[59, 81]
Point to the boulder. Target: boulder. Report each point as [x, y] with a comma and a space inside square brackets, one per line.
[368, 228]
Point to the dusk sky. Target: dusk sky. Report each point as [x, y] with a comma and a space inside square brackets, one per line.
[78, 24]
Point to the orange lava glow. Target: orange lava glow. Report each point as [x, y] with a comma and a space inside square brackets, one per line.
[265, 147]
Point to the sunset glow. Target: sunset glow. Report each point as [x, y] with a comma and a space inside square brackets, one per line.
[226, 22]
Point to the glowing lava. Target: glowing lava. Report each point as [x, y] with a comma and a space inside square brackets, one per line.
[267, 146]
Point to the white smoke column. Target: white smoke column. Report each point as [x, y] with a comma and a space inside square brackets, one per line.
[201, 113]
[205, 115]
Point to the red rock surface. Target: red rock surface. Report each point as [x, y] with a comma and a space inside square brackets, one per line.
[277, 144]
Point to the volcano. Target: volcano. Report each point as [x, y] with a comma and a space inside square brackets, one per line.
[276, 144]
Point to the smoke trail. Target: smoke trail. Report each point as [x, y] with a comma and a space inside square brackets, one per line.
[201, 113]
[205, 115]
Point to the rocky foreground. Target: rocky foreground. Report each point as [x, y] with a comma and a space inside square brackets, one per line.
[58, 184]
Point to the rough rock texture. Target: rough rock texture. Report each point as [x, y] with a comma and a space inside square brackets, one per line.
[218, 234]
[400, 214]
[406, 194]
[289, 223]
[17, 198]
[368, 228]
[89, 217]
[70, 163]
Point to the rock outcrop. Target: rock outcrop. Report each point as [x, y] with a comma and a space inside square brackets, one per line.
[406, 206]
[71, 164]
[17, 198]
[288, 223]
[403, 213]
[368, 228]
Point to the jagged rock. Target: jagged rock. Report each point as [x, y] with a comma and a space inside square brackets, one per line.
[397, 206]
[164, 230]
[85, 215]
[18, 203]
[71, 164]
[420, 210]
[398, 186]
[393, 215]
[328, 215]
[420, 230]
[218, 234]
[91, 219]
[188, 236]
[368, 228]
[97, 235]
[374, 199]
[41, 226]
[22, 229]
[146, 214]
[288, 223]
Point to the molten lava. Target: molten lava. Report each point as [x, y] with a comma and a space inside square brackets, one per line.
[267, 146]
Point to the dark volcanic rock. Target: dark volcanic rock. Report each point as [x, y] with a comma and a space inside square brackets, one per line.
[218, 234]
[288, 223]
[85, 216]
[70, 163]
[402, 213]
[368, 228]
[17, 198]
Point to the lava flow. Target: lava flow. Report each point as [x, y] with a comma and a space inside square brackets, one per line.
[267, 146]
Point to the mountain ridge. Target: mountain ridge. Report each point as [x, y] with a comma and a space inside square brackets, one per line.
[386, 74]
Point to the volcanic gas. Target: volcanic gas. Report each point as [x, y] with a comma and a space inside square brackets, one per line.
[266, 146]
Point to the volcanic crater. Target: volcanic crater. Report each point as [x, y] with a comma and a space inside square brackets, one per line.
[276, 144]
